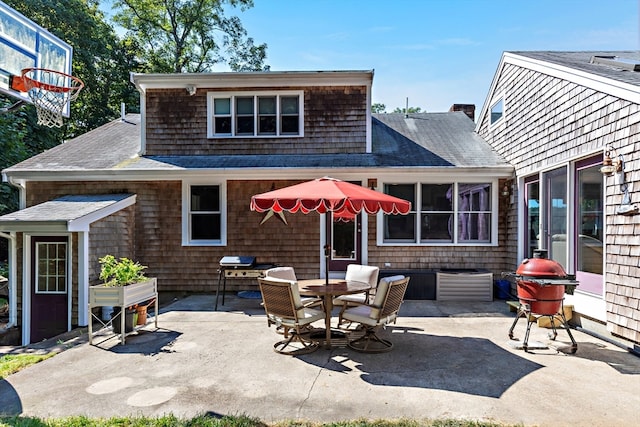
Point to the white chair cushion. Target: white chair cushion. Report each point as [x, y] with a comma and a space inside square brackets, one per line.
[305, 317]
[362, 273]
[286, 273]
[366, 315]
[382, 289]
[355, 298]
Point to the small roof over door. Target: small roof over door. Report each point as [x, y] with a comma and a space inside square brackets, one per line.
[66, 214]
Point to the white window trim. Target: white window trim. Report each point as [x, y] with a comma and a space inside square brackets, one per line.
[186, 217]
[496, 100]
[232, 95]
[493, 241]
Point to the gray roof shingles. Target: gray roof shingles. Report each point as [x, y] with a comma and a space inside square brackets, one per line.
[64, 209]
[580, 60]
[421, 140]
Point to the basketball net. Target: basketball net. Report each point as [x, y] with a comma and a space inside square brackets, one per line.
[50, 91]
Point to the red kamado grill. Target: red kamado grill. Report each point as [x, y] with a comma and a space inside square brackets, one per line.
[541, 285]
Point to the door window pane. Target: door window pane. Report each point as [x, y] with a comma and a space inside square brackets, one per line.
[532, 206]
[51, 274]
[556, 217]
[590, 219]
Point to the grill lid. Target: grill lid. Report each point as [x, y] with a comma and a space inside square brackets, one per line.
[237, 261]
[541, 267]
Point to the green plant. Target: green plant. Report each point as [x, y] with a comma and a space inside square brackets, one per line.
[4, 269]
[120, 272]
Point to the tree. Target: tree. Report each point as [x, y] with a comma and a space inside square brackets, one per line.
[378, 108]
[408, 111]
[100, 60]
[177, 36]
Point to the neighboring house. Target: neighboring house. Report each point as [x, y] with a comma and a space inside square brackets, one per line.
[171, 188]
[554, 116]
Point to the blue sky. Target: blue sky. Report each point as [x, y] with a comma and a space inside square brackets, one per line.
[435, 52]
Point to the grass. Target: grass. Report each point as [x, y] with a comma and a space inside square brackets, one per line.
[12, 363]
[227, 421]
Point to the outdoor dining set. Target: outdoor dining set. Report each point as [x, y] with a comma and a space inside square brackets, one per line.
[293, 306]
[366, 304]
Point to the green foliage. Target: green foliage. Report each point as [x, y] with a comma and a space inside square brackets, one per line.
[100, 60]
[189, 36]
[378, 108]
[11, 363]
[408, 111]
[120, 272]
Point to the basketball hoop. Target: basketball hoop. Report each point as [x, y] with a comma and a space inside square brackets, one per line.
[50, 91]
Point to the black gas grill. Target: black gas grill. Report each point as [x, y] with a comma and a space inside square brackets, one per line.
[238, 267]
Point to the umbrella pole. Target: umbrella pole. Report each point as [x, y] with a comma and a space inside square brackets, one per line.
[327, 249]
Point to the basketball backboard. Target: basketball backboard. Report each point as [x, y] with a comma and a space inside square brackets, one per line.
[25, 44]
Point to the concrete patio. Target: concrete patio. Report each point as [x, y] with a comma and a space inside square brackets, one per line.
[451, 360]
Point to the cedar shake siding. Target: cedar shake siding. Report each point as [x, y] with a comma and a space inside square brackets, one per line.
[334, 122]
[157, 239]
[549, 121]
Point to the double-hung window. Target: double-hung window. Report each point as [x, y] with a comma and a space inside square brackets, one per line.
[251, 114]
[203, 221]
[442, 213]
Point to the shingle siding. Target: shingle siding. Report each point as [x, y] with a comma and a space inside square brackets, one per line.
[334, 122]
[548, 121]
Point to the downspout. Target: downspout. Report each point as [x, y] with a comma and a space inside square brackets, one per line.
[13, 303]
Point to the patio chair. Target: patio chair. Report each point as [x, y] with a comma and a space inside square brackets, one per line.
[357, 273]
[382, 311]
[283, 306]
[288, 273]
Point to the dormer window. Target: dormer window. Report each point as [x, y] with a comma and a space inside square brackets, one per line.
[256, 114]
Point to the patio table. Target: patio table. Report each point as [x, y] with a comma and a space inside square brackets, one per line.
[336, 287]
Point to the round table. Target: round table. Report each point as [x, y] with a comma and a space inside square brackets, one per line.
[336, 287]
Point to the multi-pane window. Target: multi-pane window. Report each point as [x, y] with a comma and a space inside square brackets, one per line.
[205, 213]
[436, 213]
[51, 271]
[474, 212]
[401, 228]
[441, 213]
[255, 114]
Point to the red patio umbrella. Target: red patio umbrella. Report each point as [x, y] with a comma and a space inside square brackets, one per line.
[328, 195]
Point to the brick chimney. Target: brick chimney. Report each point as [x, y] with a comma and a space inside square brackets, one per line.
[468, 109]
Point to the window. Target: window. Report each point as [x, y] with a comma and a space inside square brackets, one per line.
[442, 213]
[263, 114]
[497, 111]
[474, 211]
[437, 211]
[51, 268]
[203, 214]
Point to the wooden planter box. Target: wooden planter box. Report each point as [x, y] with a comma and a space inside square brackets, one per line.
[124, 296]
[121, 296]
